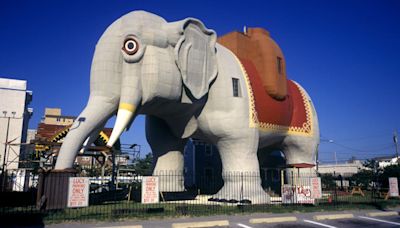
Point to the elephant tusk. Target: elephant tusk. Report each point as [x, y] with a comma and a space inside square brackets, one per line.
[124, 116]
[85, 144]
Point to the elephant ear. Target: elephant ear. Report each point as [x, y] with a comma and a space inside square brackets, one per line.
[195, 55]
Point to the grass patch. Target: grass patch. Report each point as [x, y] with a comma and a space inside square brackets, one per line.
[122, 210]
[136, 211]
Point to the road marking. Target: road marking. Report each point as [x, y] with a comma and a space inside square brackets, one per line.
[243, 225]
[379, 220]
[319, 224]
[127, 226]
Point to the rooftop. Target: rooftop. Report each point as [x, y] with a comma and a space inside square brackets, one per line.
[14, 84]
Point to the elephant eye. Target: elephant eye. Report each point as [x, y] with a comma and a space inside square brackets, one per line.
[131, 46]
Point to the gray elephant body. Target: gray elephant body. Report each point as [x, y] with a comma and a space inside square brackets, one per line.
[182, 80]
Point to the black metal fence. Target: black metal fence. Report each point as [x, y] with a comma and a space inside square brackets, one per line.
[44, 196]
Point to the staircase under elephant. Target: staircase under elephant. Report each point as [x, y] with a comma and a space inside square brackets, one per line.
[277, 103]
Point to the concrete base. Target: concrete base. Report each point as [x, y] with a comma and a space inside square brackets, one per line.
[53, 189]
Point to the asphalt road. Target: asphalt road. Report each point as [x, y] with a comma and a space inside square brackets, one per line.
[361, 219]
[392, 221]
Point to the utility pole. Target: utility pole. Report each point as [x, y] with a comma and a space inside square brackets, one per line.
[334, 170]
[335, 157]
[396, 145]
[3, 168]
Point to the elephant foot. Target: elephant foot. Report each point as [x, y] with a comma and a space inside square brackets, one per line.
[243, 193]
[170, 182]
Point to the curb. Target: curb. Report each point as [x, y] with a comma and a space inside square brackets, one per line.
[272, 220]
[386, 213]
[333, 216]
[201, 224]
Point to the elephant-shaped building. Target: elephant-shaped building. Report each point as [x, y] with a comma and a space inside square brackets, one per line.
[233, 95]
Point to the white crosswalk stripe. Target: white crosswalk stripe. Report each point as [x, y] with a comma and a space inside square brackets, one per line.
[244, 226]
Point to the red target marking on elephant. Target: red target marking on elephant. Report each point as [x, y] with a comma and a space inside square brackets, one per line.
[292, 114]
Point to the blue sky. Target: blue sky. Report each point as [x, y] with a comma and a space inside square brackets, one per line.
[345, 53]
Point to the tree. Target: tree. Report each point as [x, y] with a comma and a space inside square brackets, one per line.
[327, 180]
[363, 177]
[371, 164]
[389, 171]
[144, 166]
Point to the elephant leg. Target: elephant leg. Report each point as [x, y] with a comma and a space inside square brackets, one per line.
[300, 150]
[240, 170]
[168, 158]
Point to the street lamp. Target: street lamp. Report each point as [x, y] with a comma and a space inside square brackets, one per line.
[6, 144]
[328, 141]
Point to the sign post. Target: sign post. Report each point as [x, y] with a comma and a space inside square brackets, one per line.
[78, 192]
[150, 190]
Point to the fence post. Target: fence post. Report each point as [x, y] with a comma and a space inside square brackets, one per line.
[53, 189]
[241, 185]
[293, 188]
[335, 186]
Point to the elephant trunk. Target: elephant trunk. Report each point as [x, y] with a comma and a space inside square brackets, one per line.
[105, 88]
[86, 123]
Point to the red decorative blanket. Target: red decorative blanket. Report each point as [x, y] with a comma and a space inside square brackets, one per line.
[292, 115]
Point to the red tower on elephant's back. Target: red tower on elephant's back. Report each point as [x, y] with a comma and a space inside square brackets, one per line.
[257, 46]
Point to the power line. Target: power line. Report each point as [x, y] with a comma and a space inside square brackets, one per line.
[358, 156]
[345, 160]
[363, 150]
[387, 132]
[381, 150]
[354, 152]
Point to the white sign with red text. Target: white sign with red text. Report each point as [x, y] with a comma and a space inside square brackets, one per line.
[78, 192]
[303, 195]
[393, 187]
[288, 194]
[150, 190]
[316, 191]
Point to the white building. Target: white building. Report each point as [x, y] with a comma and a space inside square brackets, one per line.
[14, 119]
[386, 161]
[344, 169]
